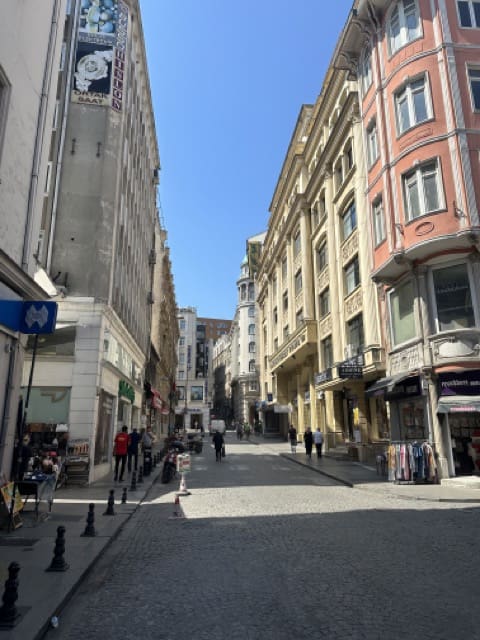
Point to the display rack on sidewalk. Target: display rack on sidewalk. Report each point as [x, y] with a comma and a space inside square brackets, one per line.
[411, 462]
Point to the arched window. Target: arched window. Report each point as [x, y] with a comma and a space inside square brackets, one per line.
[251, 329]
[243, 292]
[251, 366]
[251, 347]
[251, 291]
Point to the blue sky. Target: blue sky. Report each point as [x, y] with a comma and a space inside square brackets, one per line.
[228, 79]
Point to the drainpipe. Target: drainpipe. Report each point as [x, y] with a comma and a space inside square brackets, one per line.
[37, 151]
[8, 393]
[61, 145]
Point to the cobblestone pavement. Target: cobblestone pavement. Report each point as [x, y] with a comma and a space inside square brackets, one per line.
[268, 549]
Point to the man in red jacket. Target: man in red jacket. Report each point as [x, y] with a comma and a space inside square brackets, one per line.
[120, 450]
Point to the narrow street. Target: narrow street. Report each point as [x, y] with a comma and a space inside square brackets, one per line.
[259, 530]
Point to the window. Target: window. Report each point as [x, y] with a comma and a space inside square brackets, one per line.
[275, 344]
[181, 375]
[274, 287]
[297, 244]
[366, 70]
[324, 303]
[298, 282]
[275, 316]
[421, 190]
[243, 292]
[181, 358]
[299, 318]
[251, 347]
[338, 175]
[352, 276]
[412, 104]
[378, 221]
[183, 324]
[285, 301]
[474, 79]
[349, 219]
[402, 318]
[327, 352]
[469, 13]
[253, 384]
[322, 206]
[372, 144]
[251, 291]
[322, 257]
[453, 298]
[286, 332]
[403, 25]
[355, 332]
[251, 329]
[251, 368]
[251, 312]
[181, 341]
[348, 158]
[284, 270]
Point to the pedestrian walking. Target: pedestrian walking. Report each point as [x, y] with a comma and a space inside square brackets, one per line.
[246, 430]
[308, 440]
[219, 444]
[133, 442]
[120, 451]
[292, 436]
[239, 431]
[318, 440]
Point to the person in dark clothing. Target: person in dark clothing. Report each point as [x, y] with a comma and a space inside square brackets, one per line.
[292, 436]
[133, 442]
[308, 439]
[218, 443]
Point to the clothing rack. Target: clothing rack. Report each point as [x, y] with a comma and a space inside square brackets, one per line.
[411, 461]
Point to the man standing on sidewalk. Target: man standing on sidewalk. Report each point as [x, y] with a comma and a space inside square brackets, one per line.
[133, 442]
[120, 451]
[318, 440]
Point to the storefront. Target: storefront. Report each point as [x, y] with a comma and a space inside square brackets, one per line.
[459, 413]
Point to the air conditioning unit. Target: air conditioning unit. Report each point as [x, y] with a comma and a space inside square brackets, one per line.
[350, 351]
[152, 257]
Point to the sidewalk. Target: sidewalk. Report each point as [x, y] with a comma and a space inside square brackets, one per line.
[41, 594]
[365, 477]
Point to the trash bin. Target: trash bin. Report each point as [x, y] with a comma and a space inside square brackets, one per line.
[147, 462]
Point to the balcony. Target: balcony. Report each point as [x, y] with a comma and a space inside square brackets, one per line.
[455, 345]
[300, 344]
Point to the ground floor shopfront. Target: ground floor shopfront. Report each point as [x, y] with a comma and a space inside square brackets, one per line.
[86, 385]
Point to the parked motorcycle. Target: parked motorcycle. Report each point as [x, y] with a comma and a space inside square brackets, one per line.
[170, 461]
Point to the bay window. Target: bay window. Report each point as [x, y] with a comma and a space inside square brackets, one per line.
[402, 318]
[412, 104]
[453, 298]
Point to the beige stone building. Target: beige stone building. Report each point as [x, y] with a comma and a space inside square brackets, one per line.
[320, 337]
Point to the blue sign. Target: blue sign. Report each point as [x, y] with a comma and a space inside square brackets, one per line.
[29, 316]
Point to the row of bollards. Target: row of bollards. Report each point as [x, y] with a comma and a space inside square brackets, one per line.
[8, 611]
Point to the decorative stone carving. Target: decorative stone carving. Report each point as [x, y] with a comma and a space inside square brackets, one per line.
[408, 359]
[354, 303]
[349, 247]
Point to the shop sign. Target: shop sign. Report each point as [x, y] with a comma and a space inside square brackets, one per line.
[29, 317]
[352, 368]
[404, 389]
[323, 376]
[126, 390]
[465, 383]
[183, 463]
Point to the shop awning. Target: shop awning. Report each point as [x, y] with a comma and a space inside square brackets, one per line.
[458, 404]
[385, 385]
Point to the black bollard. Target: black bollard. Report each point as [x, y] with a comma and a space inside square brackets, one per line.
[58, 562]
[133, 485]
[90, 528]
[140, 475]
[8, 611]
[124, 495]
[110, 504]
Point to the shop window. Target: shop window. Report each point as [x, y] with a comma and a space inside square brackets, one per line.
[402, 319]
[453, 298]
[59, 343]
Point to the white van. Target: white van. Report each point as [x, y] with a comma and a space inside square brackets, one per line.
[218, 425]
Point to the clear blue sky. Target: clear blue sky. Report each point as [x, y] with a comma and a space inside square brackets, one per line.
[228, 79]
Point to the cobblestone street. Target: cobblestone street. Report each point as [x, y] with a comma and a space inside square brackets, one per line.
[270, 549]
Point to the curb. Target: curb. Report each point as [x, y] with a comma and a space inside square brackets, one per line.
[347, 483]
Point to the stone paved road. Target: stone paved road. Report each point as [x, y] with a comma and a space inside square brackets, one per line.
[269, 549]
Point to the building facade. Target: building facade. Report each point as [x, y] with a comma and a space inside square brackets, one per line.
[420, 102]
[100, 226]
[30, 39]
